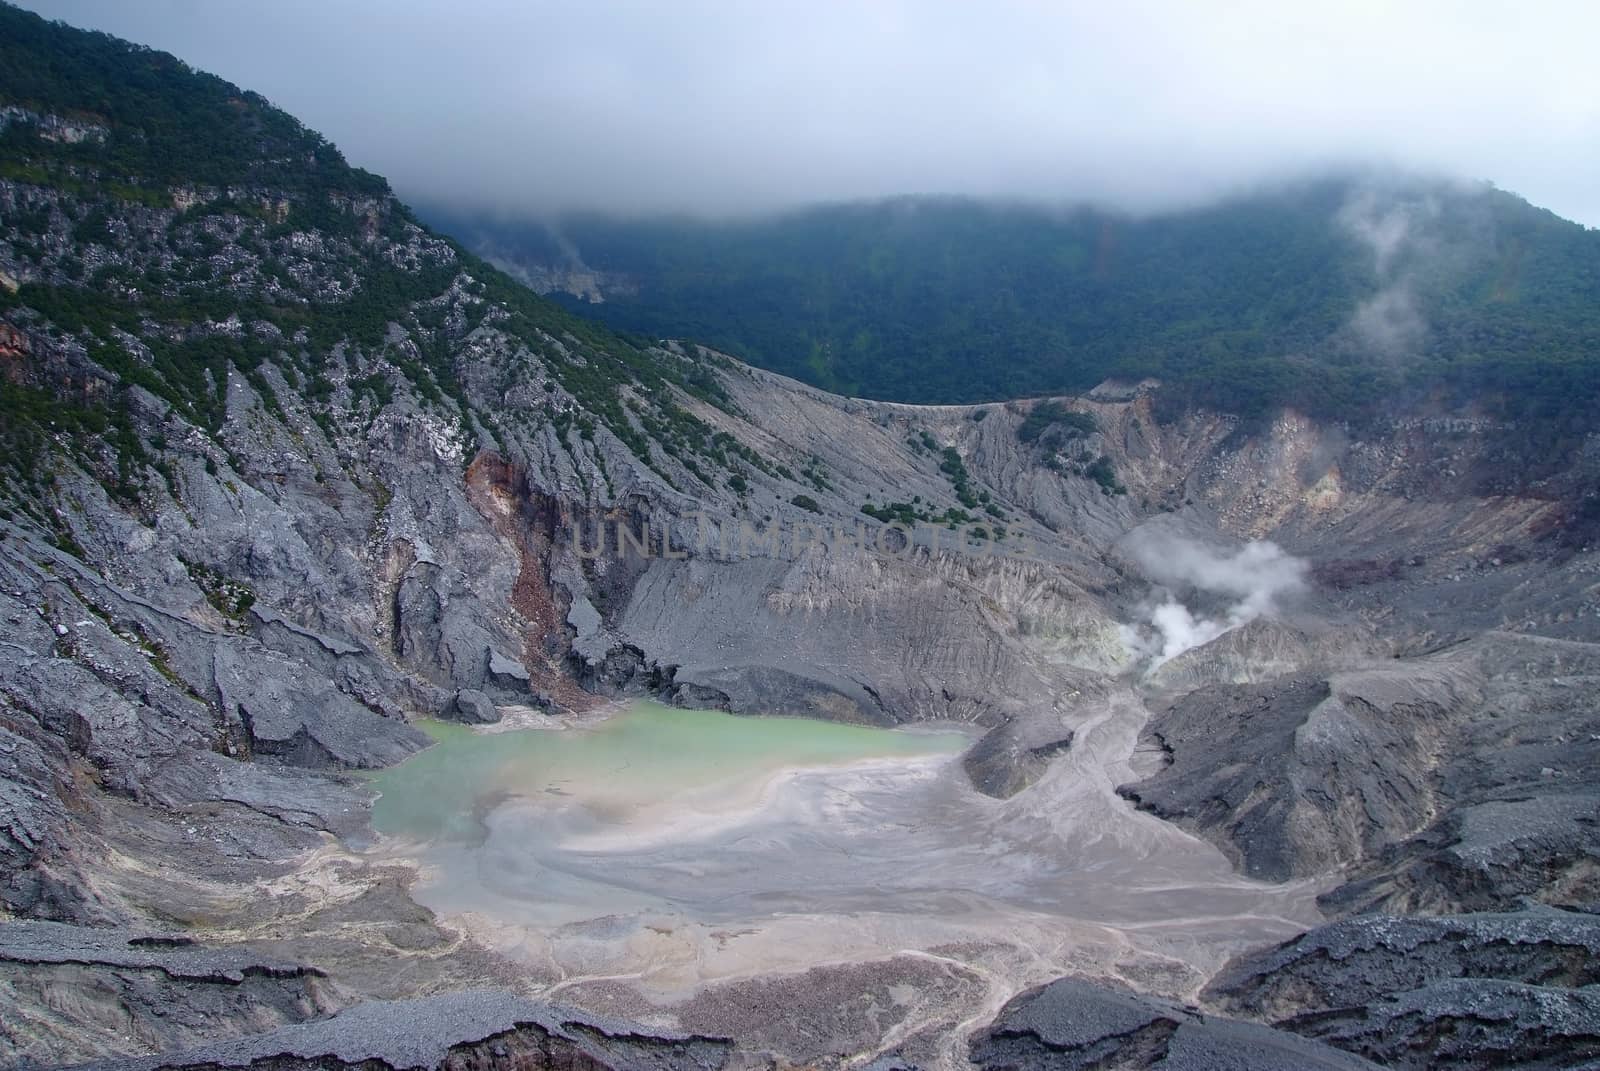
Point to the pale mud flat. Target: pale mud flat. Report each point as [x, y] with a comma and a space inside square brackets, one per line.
[660, 863]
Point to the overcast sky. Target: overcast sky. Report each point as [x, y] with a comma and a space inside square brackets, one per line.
[729, 107]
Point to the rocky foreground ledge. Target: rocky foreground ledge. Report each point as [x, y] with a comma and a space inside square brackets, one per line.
[474, 1028]
[1483, 991]
[1075, 1024]
[230, 1006]
[1486, 990]
[1479, 991]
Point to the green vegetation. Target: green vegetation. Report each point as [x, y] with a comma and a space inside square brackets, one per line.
[97, 432]
[277, 200]
[1243, 306]
[1047, 415]
[806, 502]
[231, 598]
[817, 474]
[167, 123]
[910, 514]
[951, 465]
[1100, 470]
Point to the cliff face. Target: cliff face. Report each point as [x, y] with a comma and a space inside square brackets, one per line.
[286, 471]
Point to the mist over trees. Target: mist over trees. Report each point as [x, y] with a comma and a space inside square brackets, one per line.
[1337, 296]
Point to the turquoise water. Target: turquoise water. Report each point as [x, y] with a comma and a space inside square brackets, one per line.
[677, 847]
[603, 835]
[624, 769]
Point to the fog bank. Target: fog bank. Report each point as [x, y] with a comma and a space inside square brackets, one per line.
[717, 108]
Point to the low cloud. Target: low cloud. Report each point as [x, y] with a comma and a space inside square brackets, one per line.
[1256, 577]
[531, 107]
[1389, 321]
[1393, 229]
[1381, 223]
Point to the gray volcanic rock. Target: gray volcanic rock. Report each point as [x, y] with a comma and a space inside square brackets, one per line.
[1452, 781]
[299, 724]
[287, 794]
[1265, 649]
[1471, 1024]
[33, 820]
[465, 1029]
[1270, 771]
[824, 1016]
[174, 954]
[505, 671]
[1518, 803]
[1071, 1023]
[435, 631]
[1010, 757]
[1356, 961]
[1487, 854]
[854, 635]
[357, 669]
[774, 690]
[71, 988]
[474, 708]
[1470, 991]
[76, 678]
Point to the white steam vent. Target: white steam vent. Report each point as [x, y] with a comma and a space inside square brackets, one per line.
[1257, 576]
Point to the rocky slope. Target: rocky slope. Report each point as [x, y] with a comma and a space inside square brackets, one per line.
[1074, 1024]
[287, 471]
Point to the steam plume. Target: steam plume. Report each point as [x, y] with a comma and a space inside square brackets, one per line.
[1256, 577]
[1390, 321]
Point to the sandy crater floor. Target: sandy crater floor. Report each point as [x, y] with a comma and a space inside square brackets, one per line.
[654, 862]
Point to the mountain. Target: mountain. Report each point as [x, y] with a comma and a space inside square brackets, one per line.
[288, 476]
[1330, 295]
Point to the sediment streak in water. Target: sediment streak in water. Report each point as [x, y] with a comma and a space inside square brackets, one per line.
[676, 849]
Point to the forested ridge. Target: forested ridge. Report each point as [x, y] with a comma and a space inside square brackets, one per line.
[177, 229]
[1336, 296]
